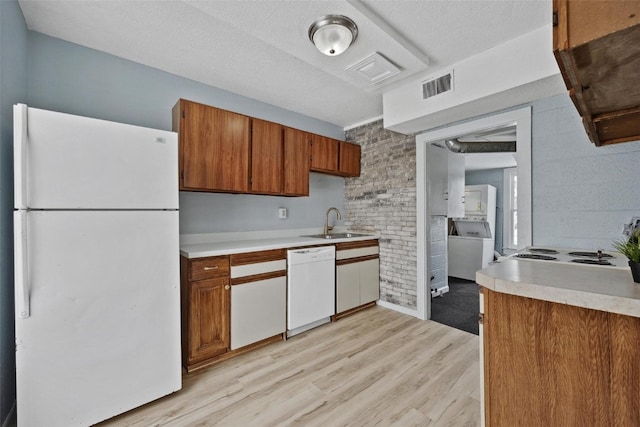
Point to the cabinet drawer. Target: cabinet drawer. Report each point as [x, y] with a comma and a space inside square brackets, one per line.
[206, 268]
[357, 252]
[258, 268]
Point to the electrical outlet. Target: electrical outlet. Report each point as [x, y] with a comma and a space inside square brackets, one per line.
[282, 213]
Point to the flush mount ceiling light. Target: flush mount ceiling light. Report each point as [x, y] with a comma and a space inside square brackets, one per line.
[333, 34]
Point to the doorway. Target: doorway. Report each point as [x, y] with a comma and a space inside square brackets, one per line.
[521, 119]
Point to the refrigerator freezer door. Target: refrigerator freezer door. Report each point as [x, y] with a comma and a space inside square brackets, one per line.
[103, 335]
[71, 162]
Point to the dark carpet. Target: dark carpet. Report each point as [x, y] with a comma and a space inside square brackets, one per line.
[458, 308]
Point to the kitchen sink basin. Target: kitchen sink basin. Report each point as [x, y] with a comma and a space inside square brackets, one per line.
[336, 235]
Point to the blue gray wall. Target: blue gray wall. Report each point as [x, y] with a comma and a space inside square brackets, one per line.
[13, 88]
[493, 177]
[73, 79]
[582, 194]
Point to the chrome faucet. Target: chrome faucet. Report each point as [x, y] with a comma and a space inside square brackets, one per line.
[327, 227]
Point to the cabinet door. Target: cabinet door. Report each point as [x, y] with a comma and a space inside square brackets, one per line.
[324, 154]
[296, 162]
[258, 310]
[214, 148]
[545, 364]
[347, 287]
[349, 159]
[266, 157]
[369, 280]
[209, 319]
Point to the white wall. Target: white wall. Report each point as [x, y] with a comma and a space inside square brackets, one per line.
[517, 71]
[582, 194]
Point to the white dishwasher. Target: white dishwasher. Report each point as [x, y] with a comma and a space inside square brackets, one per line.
[311, 288]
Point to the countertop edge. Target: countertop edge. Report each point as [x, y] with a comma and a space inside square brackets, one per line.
[202, 250]
[627, 306]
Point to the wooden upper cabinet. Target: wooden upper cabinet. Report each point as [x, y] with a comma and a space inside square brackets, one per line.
[222, 151]
[214, 148]
[267, 157]
[349, 159]
[296, 162]
[324, 154]
[597, 47]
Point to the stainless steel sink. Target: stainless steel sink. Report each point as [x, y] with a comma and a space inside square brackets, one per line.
[336, 235]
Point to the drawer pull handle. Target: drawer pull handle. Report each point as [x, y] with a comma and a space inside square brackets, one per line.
[226, 287]
[215, 267]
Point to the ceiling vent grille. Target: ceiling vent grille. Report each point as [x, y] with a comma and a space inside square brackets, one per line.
[437, 86]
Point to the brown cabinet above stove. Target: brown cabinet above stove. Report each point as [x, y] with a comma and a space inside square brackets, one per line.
[597, 47]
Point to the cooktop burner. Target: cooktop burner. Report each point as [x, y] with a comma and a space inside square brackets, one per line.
[590, 255]
[537, 256]
[592, 261]
[543, 251]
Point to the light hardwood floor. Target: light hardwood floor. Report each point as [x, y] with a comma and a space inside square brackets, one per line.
[377, 367]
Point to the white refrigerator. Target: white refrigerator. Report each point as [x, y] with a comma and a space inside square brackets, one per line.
[97, 288]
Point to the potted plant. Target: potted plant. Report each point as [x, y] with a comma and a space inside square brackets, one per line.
[631, 249]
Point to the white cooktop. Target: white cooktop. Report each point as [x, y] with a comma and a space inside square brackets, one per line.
[578, 257]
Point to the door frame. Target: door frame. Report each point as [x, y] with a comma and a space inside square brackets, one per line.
[521, 118]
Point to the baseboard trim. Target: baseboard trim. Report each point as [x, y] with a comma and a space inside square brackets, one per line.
[398, 308]
[11, 417]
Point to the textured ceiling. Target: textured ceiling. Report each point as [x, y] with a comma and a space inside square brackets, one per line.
[260, 48]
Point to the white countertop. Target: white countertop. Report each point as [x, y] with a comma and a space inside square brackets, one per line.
[593, 287]
[215, 244]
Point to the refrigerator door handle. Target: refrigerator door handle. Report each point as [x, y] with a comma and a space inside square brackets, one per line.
[21, 267]
[20, 155]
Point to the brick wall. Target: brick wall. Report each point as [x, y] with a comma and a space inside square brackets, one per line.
[383, 200]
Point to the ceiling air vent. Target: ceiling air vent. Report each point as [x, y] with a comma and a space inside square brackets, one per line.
[437, 86]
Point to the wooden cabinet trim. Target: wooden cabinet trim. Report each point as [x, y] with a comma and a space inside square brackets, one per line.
[232, 353]
[355, 245]
[355, 260]
[258, 256]
[257, 277]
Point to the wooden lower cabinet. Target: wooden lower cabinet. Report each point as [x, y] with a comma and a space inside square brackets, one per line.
[550, 364]
[206, 298]
[231, 305]
[209, 303]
